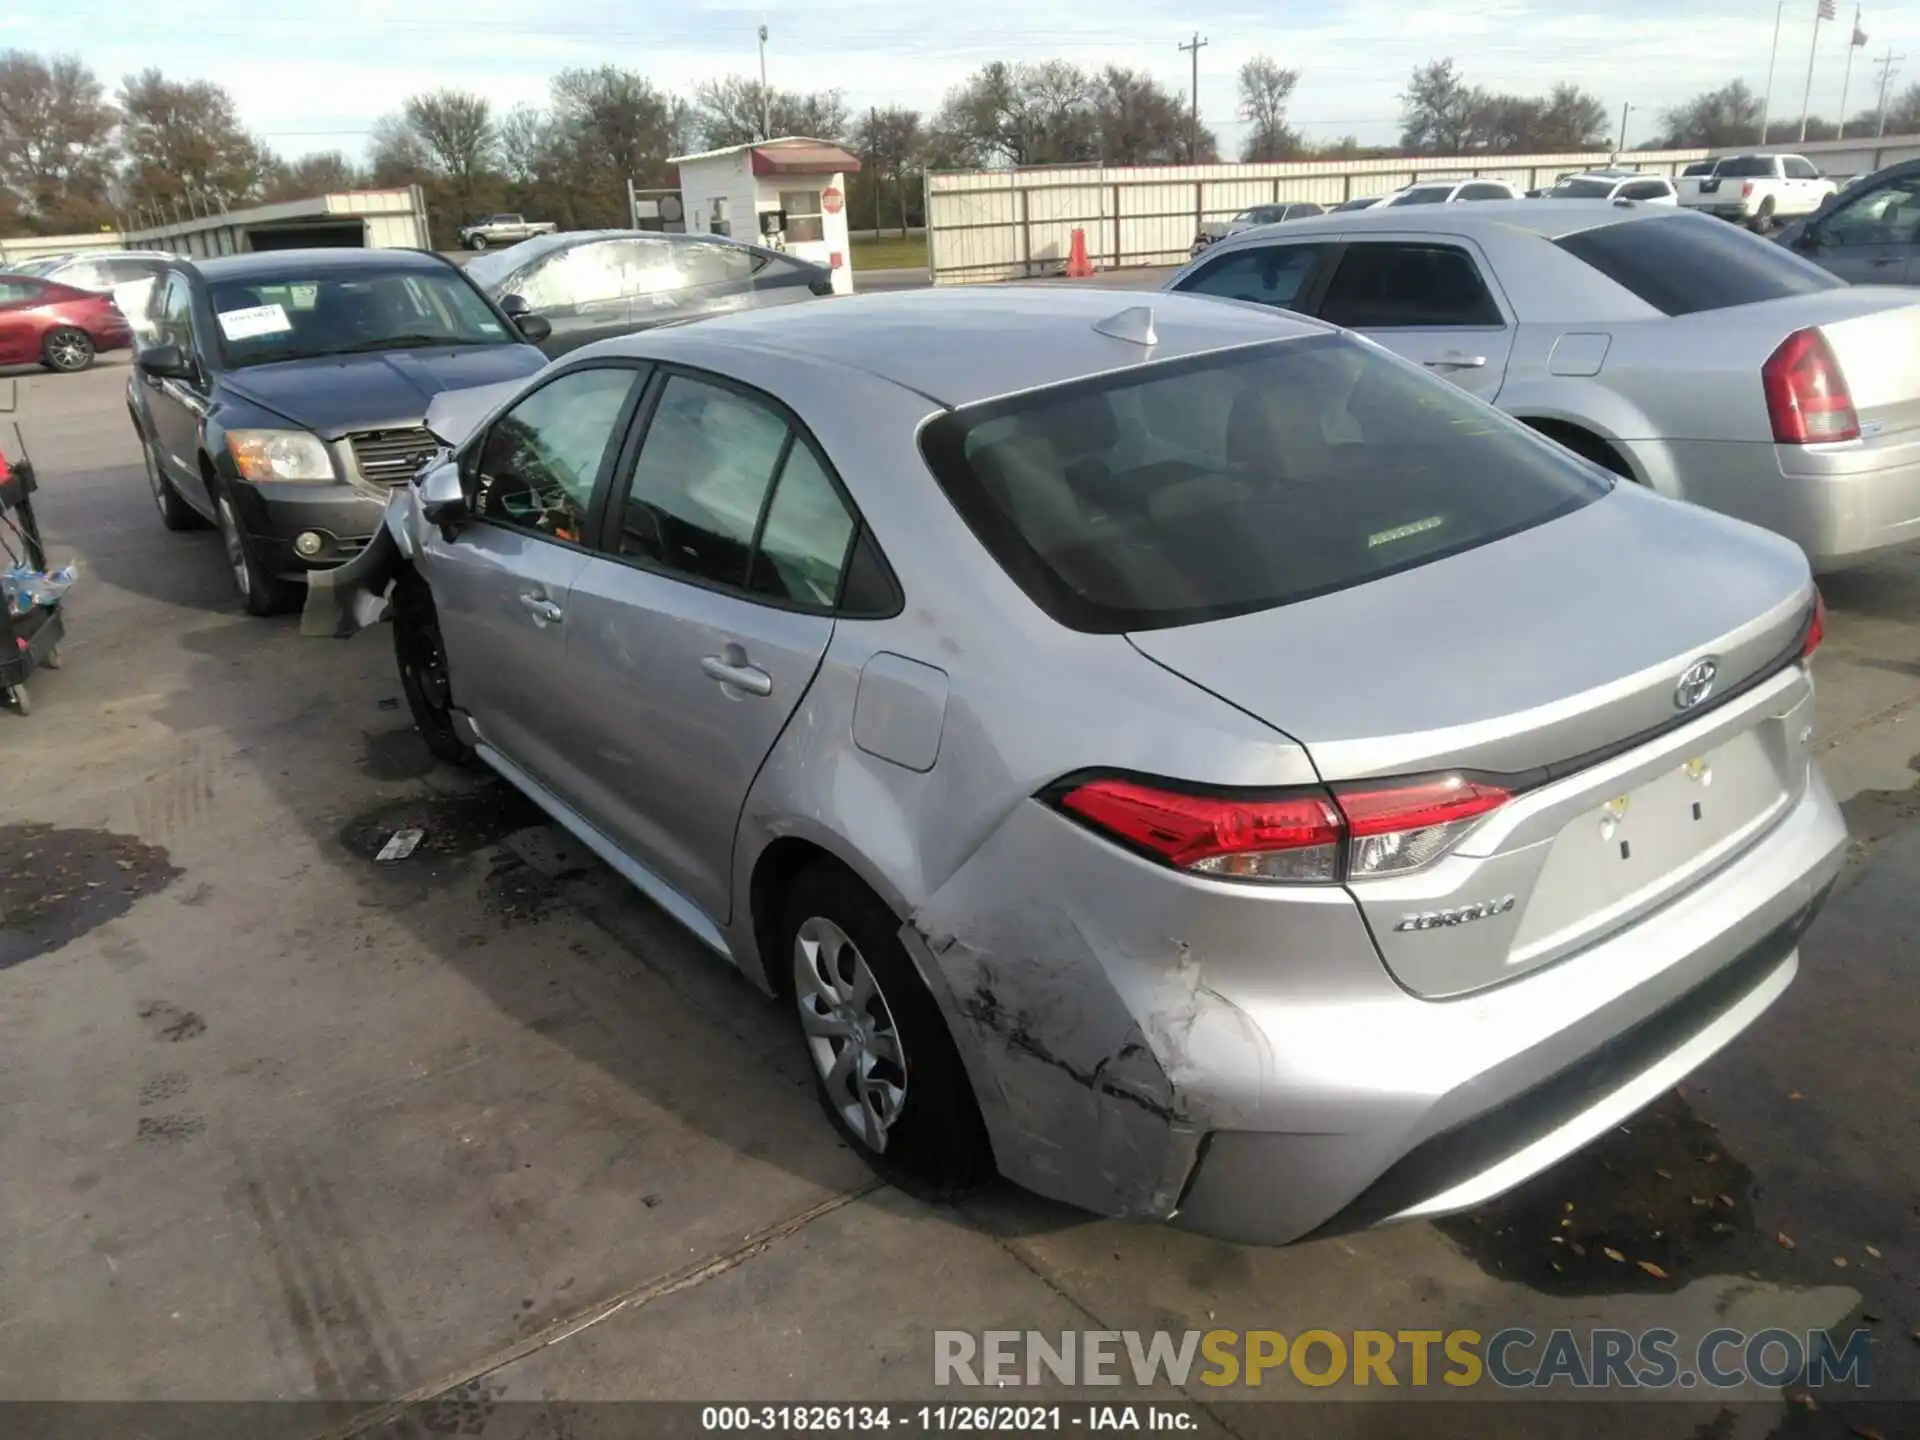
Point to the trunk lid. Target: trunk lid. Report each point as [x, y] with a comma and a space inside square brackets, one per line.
[1874, 332]
[1553, 658]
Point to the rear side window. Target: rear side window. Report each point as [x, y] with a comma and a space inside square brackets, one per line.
[1433, 195]
[1582, 190]
[1683, 264]
[1266, 275]
[1386, 285]
[1200, 488]
[1746, 165]
[1646, 190]
[1485, 192]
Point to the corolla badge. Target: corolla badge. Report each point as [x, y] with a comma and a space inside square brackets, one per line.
[1696, 683]
[1460, 915]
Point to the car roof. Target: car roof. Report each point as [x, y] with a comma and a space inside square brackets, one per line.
[957, 345]
[1549, 219]
[264, 264]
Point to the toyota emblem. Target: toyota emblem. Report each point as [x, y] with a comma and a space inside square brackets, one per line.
[1696, 683]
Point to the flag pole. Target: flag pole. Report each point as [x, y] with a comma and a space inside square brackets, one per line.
[1813, 49]
[1846, 78]
[1773, 58]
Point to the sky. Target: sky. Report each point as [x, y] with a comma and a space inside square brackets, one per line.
[308, 84]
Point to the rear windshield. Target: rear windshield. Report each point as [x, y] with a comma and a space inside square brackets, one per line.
[1683, 264]
[1746, 165]
[1700, 167]
[1195, 489]
[1583, 189]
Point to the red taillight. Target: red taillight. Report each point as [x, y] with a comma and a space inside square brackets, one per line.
[1807, 396]
[1746, 189]
[1361, 832]
[1816, 628]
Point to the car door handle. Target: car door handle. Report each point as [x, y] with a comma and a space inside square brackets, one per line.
[542, 608]
[750, 678]
[1456, 361]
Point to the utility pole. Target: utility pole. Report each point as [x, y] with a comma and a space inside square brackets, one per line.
[1766, 105]
[1620, 149]
[1888, 63]
[1195, 46]
[766, 99]
[1854, 42]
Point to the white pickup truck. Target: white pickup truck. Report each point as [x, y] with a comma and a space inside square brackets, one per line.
[502, 230]
[1759, 191]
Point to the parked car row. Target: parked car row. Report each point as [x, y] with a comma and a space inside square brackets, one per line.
[755, 608]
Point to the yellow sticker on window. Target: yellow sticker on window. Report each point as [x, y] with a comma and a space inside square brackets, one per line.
[1401, 532]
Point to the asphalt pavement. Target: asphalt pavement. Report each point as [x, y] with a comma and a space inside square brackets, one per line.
[284, 1124]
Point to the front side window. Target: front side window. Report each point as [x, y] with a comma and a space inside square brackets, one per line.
[588, 274]
[1425, 195]
[1177, 493]
[1889, 215]
[804, 220]
[726, 492]
[1485, 192]
[173, 315]
[1266, 275]
[1387, 285]
[538, 465]
[1798, 169]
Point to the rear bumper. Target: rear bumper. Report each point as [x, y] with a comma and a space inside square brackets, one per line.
[1842, 504]
[1245, 1066]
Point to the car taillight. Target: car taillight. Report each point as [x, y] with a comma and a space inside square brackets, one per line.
[1807, 396]
[1305, 837]
[1746, 189]
[1816, 628]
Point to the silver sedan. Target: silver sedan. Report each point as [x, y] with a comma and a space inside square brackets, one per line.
[1178, 754]
[1687, 355]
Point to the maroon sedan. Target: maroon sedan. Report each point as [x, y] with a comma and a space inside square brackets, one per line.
[56, 325]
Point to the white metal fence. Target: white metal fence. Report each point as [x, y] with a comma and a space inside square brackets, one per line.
[1005, 224]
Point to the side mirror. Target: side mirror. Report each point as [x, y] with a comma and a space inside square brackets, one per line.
[443, 498]
[515, 306]
[535, 327]
[821, 285]
[165, 362]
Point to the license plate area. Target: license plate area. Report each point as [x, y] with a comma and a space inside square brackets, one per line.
[1629, 850]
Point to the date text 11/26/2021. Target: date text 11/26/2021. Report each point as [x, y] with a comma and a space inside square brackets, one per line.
[945, 1419]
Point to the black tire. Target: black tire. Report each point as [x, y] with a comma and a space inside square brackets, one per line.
[1587, 446]
[22, 701]
[1763, 222]
[261, 591]
[67, 350]
[476, 242]
[936, 1148]
[175, 513]
[422, 661]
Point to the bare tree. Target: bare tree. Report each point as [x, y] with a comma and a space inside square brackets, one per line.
[456, 127]
[1437, 110]
[56, 140]
[323, 173]
[894, 146]
[527, 143]
[1727, 116]
[1006, 114]
[609, 126]
[185, 146]
[1266, 90]
[1138, 121]
[729, 111]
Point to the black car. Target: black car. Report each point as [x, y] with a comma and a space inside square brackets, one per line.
[281, 394]
[589, 284]
[1868, 233]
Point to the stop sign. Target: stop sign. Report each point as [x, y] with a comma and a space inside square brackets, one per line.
[831, 200]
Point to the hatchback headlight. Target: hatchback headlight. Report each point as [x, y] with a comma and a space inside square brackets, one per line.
[281, 455]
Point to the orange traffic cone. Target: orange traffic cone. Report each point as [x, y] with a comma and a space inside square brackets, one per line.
[1079, 267]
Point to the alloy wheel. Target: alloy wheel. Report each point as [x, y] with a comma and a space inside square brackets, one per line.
[850, 1031]
[236, 547]
[69, 350]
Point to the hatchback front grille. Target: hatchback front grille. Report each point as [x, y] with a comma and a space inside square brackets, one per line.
[392, 457]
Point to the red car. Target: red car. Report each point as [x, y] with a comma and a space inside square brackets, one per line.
[56, 325]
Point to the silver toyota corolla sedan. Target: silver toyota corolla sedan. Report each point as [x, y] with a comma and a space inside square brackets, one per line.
[1179, 754]
[1680, 352]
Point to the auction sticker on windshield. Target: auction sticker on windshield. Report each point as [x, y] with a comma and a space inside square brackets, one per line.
[255, 320]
